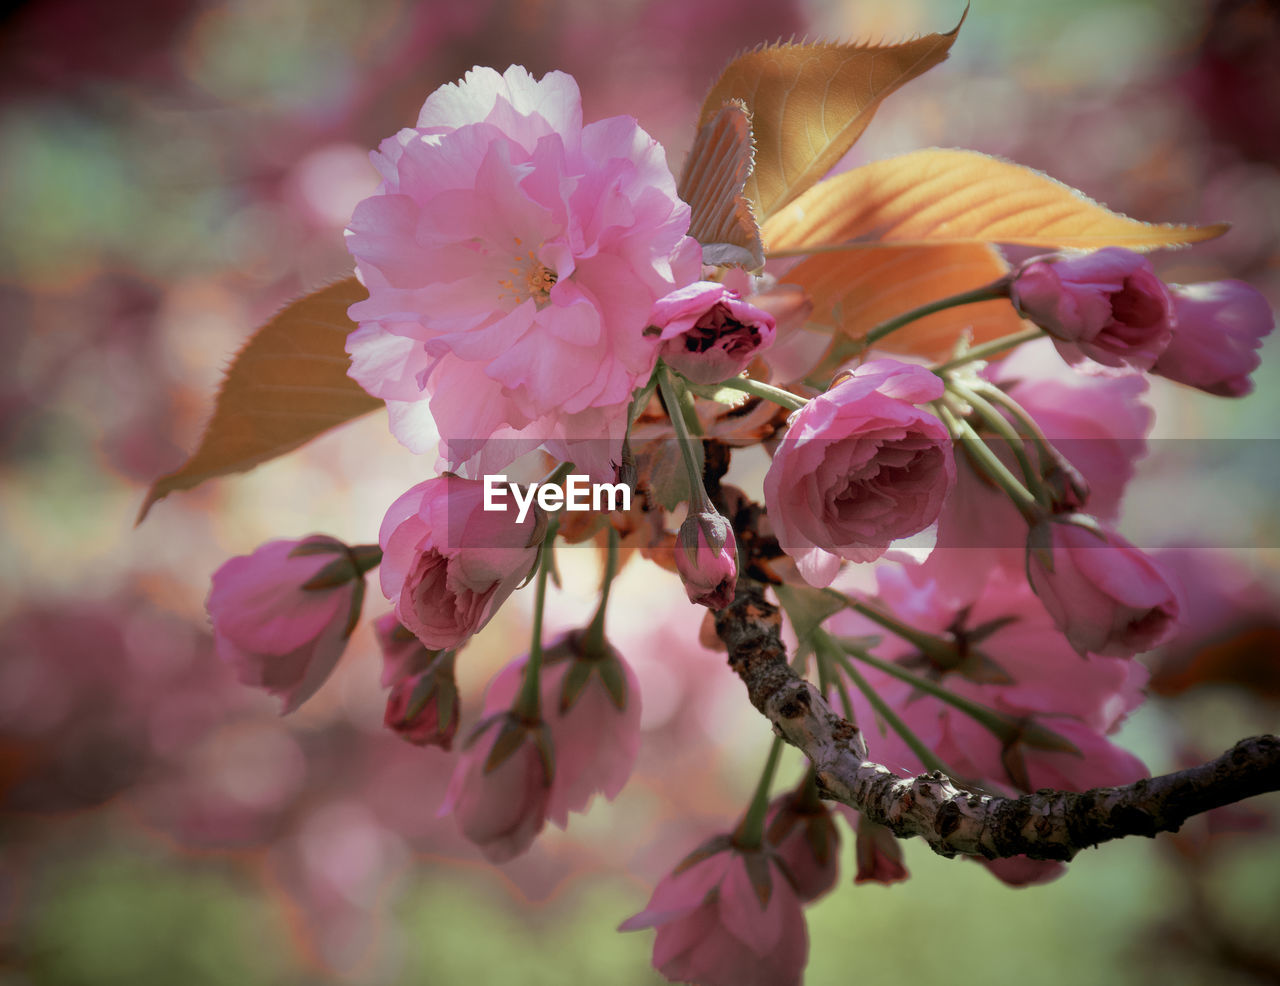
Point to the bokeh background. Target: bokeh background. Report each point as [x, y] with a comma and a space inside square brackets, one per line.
[171, 171]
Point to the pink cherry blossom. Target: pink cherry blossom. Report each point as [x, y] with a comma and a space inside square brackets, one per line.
[1220, 326]
[707, 559]
[718, 926]
[1106, 596]
[501, 784]
[282, 615]
[859, 466]
[448, 564]
[877, 852]
[512, 258]
[423, 706]
[709, 333]
[1097, 424]
[1108, 305]
[801, 831]
[591, 706]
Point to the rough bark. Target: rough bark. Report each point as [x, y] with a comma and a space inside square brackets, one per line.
[1045, 825]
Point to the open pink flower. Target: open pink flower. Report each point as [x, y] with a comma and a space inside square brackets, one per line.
[1103, 593]
[1220, 326]
[512, 258]
[282, 615]
[448, 563]
[726, 918]
[709, 334]
[859, 466]
[591, 707]
[1108, 305]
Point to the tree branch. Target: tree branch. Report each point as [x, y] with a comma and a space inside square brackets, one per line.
[1045, 825]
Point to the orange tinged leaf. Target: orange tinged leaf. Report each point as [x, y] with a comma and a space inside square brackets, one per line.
[952, 196]
[857, 290]
[715, 173]
[288, 385]
[810, 102]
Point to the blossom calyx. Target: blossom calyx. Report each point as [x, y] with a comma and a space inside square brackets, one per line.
[423, 706]
[707, 559]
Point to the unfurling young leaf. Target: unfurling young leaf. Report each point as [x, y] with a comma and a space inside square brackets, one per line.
[288, 385]
[810, 102]
[715, 174]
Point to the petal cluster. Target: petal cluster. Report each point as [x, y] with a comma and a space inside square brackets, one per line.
[512, 257]
[859, 467]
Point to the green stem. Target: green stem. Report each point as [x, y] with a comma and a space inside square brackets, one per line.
[750, 833]
[766, 391]
[1025, 423]
[529, 702]
[941, 650]
[990, 348]
[1005, 729]
[998, 423]
[593, 638]
[988, 292]
[697, 493]
[917, 746]
[987, 461]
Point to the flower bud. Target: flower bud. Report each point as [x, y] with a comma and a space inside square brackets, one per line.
[282, 615]
[709, 334]
[707, 559]
[1220, 326]
[423, 705]
[1108, 305]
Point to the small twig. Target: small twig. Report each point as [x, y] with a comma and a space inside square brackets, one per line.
[1046, 825]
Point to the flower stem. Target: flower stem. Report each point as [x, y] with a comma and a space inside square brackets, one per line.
[528, 704]
[767, 391]
[941, 650]
[1002, 726]
[998, 423]
[987, 461]
[697, 493]
[750, 833]
[990, 348]
[988, 292]
[593, 637]
[917, 746]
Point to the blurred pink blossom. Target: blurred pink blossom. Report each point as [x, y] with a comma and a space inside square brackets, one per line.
[282, 615]
[1106, 596]
[859, 467]
[803, 834]
[591, 707]
[1220, 326]
[730, 918]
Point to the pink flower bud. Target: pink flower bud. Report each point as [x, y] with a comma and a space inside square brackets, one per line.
[878, 854]
[500, 786]
[423, 706]
[709, 334]
[707, 559]
[591, 706]
[807, 841]
[448, 564]
[726, 918]
[859, 467]
[282, 615]
[1108, 305]
[1220, 326]
[1102, 592]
